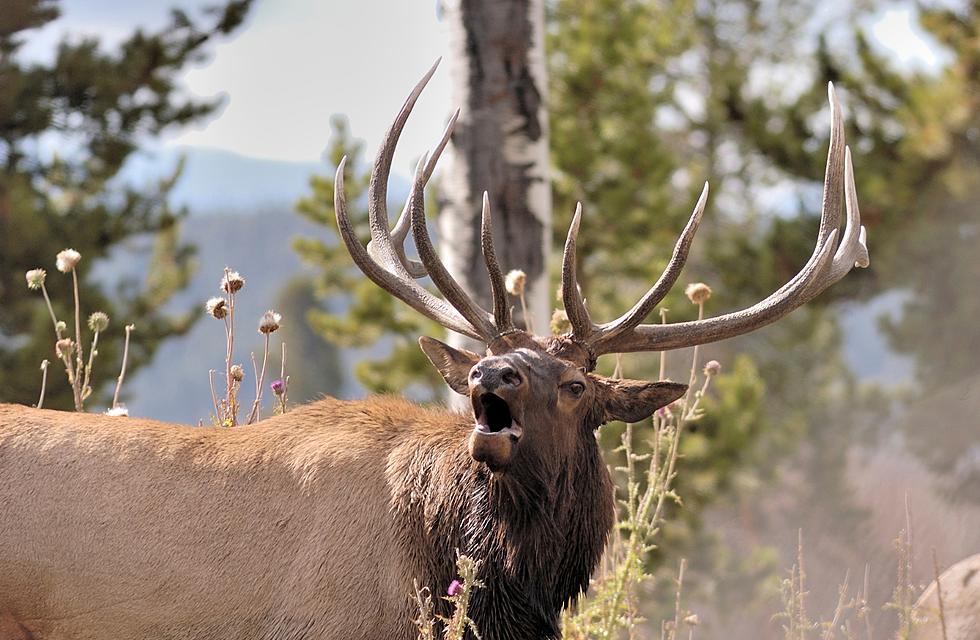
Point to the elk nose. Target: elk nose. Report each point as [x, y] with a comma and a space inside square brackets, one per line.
[493, 377]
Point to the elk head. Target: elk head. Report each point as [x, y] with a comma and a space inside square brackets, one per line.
[537, 394]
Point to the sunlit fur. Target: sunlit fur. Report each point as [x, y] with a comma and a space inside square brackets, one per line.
[308, 525]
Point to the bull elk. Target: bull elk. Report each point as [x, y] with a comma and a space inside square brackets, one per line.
[315, 523]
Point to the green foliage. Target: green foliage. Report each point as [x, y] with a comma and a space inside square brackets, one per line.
[608, 78]
[916, 150]
[96, 107]
[649, 473]
[630, 142]
[313, 364]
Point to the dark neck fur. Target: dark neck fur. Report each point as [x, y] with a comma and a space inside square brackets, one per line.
[539, 531]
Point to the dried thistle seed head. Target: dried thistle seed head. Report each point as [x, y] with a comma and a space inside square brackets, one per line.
[44, 364]
[697, 292]
[269, 322]
[98, 321]
[67, 260]
[237, 373]
[232, 282]
[118, 411]
[560, 323]
[64, 347]
[217, 308]
[35, 278]
[712, 368]
[278, 387]
[515, 282]
[692, 620]
[60, 326]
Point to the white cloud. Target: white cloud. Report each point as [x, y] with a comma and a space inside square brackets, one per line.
[905, 42]
[298, 62]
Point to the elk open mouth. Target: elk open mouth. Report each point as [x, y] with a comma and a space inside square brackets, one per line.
[494, 416]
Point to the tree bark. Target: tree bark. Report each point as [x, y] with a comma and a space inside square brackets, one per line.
[500, 145]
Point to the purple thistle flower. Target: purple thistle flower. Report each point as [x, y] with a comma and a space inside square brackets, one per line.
[278, 387]
[455, 588]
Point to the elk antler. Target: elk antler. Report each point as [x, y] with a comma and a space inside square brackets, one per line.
[385, 262]
[825, 267]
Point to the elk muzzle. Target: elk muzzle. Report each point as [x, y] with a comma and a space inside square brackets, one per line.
[496, 390]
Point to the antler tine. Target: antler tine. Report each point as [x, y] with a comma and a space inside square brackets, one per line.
[832, 192]
[399, 233]
[501, 310]
[578, 315]
[381, 247]
[402, 287]
[658, 291]
[853, 250]
[831, 201]
[828, 264]
[478, 318]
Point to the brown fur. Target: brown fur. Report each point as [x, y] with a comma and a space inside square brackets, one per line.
[116, 528]
[309, 525]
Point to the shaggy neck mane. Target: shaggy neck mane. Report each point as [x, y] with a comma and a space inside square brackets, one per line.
[539, 529]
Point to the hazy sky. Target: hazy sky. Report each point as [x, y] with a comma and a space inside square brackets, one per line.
[296, 63]
[299, 61]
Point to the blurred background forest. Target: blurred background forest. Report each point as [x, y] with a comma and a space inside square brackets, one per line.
[165, 145]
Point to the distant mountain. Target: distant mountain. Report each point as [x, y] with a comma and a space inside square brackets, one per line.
[221, 182]
[217, 181]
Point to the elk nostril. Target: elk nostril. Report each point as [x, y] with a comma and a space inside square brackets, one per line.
[476, 374]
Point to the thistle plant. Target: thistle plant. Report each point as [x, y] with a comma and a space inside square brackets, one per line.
[268, 324]
[117, 409]
[222, 308]
[97, 323]
[67, 262]
[516, 283]
[797, 624]
[69, 349]
[280, 386]
[458, 594]
[44, 383]
[610, 608]
[903, 598]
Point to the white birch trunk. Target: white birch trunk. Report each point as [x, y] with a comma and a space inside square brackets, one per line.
[500, 145]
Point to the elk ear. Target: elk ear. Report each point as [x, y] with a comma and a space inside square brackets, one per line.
[453, 364]
[634, 400]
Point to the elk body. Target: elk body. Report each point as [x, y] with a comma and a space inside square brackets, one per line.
[315, 524]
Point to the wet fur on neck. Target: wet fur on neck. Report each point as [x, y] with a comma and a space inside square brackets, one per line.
[539, 528]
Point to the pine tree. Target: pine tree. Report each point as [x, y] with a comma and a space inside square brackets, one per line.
[96, 107]
[914, 136]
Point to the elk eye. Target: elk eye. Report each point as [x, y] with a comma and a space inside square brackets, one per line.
[576, 388]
